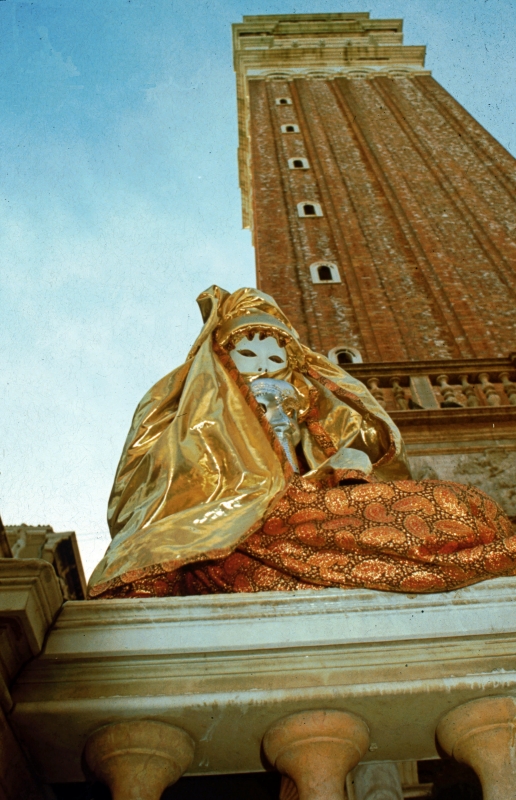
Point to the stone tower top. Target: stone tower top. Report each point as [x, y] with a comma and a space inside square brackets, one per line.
[289, 46]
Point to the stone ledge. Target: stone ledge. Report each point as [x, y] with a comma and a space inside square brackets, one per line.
[272, 620]
[30, 598]
[224, 668]
[29, 594]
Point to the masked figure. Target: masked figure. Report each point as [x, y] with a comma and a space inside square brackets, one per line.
[260, 465]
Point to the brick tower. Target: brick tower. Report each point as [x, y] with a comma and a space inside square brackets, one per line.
[384, 222]
[409, 200]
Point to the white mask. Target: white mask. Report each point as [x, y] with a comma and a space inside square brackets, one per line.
[257, 356]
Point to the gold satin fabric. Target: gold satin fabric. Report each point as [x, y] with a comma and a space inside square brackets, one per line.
[197, 472]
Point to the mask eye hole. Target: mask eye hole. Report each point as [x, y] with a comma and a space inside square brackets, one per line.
[263, 406]
[248, 353]
[276, 359]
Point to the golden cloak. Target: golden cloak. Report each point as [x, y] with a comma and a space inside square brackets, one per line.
[197, 473]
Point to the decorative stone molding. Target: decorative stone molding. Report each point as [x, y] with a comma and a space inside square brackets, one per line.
[317, 749]
[30, 598]
[482, 733]
[139, 759]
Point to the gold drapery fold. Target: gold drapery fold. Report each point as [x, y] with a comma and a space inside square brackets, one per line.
[198, 473]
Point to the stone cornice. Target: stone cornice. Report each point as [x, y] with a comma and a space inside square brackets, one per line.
[325, 46]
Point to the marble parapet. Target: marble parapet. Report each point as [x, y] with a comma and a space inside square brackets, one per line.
[225, 668]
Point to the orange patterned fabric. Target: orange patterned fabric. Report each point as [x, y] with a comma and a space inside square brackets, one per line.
[402, 536]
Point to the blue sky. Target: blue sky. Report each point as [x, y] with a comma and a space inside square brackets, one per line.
[120, 203]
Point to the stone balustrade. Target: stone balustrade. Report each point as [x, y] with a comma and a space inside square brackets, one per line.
[330, 687]
[434, 385]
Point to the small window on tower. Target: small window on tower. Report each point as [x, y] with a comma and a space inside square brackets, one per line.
[324, 272]
[290, 128]
[298, 163]
[283, 101]
[309, 210]
[345, 355]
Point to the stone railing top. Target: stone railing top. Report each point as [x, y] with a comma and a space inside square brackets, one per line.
[273, 620]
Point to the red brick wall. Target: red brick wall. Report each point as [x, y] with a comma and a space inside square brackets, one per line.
[419, 215]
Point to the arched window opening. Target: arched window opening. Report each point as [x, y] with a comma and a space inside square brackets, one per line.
[324, 273]
[306, 209]
[344, 355]
[283, 101]
[290, 127]
[298, 163]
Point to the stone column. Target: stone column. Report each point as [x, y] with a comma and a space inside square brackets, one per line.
[482, 734]
[380, 781]
[317, 749]
[139, 759]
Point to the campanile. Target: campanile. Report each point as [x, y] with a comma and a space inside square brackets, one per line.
[383, 220]
[382, 213]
